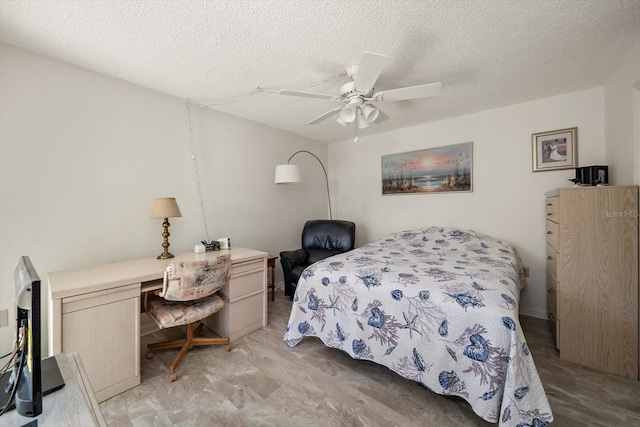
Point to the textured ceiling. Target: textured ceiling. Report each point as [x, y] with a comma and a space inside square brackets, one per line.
[487, 53]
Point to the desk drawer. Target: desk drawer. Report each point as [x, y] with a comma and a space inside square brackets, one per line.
[94, 299]
[552, 234]
[239, 318]
[243, 267]
[246, 315]
[245, 283]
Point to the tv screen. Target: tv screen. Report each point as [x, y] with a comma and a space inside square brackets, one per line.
[24, 386]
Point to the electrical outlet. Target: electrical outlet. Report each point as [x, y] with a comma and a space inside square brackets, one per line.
[526, 271]
[4, 318]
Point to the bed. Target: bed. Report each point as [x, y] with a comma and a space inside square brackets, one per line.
[438, 306]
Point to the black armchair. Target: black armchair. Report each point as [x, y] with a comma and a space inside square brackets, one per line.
[321, 238]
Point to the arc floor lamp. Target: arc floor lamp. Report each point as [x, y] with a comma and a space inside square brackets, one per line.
[290, 174]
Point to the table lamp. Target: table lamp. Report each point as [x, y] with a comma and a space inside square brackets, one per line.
[165, 207]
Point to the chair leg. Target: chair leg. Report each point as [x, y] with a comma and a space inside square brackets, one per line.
[199, 330]
[176, 361]
[192, 339]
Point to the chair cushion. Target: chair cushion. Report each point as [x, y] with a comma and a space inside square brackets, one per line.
[177, 313]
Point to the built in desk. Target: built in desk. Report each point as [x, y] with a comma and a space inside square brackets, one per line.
[95, 311]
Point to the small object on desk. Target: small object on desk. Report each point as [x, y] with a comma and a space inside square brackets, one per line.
[213, 246]
[199, 249]
[271, 263]
[225, 243]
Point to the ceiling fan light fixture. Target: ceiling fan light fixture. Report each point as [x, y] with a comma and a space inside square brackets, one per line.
[370, 113]
[362, 122]
[348, 113]
[358, 92]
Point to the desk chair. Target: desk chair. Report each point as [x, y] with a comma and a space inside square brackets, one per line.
[187, 297]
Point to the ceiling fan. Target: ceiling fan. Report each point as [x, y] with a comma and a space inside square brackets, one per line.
[358, 95]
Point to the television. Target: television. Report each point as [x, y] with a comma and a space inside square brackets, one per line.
[23, 388]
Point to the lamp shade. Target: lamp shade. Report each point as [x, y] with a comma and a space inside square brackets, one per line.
[370, 113]
[288, 174]
[165, 207]
[348, 113]
[362, 122]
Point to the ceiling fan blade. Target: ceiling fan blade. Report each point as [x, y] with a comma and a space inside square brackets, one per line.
[369, 70]
[411, 92]
[306, 94]
[324, 116]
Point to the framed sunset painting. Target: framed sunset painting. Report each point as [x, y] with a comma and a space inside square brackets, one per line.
[434, 170]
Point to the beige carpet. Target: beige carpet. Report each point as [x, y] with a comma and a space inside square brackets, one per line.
[264, 382]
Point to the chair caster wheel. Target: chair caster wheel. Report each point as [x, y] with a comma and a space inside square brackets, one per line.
[227, 347]
[173, 377]
[150, 355]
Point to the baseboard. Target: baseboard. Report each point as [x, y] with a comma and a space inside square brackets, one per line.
[532, 312]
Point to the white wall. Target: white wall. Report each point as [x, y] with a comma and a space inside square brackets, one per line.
[507, 199]
[619, 118]
[237, 160]
[83, 155]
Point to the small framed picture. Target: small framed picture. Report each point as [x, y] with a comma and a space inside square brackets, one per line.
[555, 150]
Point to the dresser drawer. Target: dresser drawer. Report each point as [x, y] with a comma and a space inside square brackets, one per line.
[552, 293]
[551, 208]
[552, 308]
[552, 234]
[552, 261]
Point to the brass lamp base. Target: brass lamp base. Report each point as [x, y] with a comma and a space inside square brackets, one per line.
[165, 244]
[165, 255]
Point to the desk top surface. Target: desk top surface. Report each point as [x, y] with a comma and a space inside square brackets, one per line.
[108, 276]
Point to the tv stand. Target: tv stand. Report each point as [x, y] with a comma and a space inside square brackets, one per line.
[74, 404]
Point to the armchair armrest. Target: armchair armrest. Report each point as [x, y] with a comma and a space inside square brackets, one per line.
[289, 260]
[297, 257]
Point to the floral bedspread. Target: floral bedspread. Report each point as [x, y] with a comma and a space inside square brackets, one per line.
[438, 306]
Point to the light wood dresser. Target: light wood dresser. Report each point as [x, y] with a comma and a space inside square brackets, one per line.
[95, 311]
[592, 276]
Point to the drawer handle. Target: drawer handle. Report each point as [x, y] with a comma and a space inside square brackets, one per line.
[550, 316]
[549, 204]
[549, 214]
[548, 232]
[549, 258]
[550, 290]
